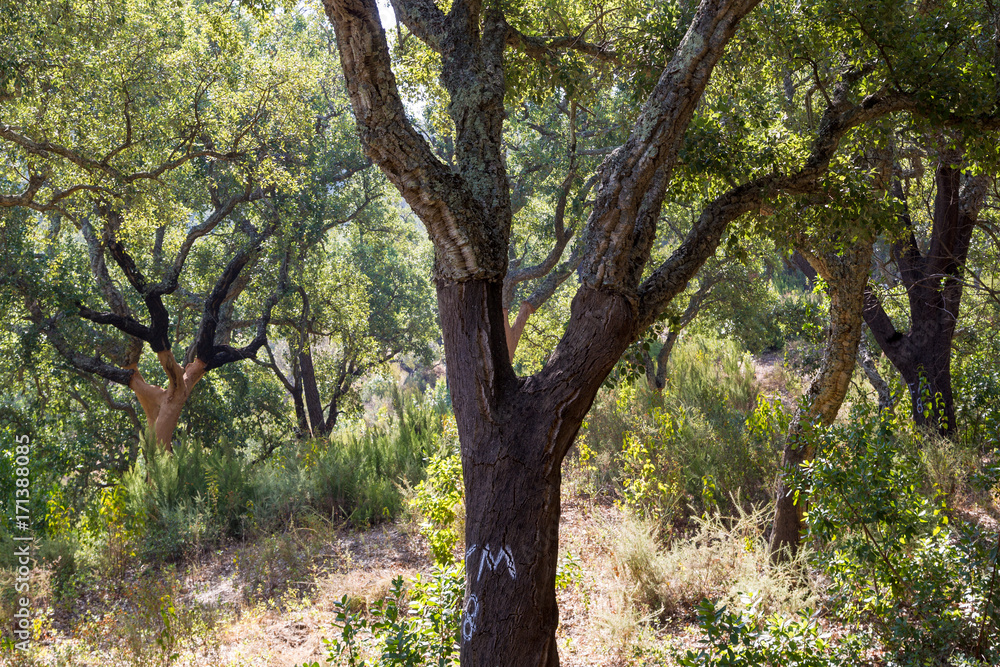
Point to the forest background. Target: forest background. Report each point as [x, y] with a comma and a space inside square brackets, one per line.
[717, 280]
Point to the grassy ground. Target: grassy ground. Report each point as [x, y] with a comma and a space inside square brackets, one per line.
[270, 603]
[270, 600]
[628, 587]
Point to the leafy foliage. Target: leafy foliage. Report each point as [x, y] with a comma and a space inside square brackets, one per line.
[748, 639]
[439, 498]
[425, 634]
[896, 560]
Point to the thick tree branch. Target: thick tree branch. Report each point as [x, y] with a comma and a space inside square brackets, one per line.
[215, 355]
[25, 198]
[112, 296]
[467, 245]
[423, 19]
[670, 278]
[622, 225]
[94, 365]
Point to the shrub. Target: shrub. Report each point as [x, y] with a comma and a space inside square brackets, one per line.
[189, 497]
[652, 482]
[749, 639]
[924, 582]
[708, 427]
[976, 387]
[438, 499]
[355, 474]
[425, 633]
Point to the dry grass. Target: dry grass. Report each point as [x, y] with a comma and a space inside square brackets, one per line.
[775, 379]
[626, 600]
[721, 560]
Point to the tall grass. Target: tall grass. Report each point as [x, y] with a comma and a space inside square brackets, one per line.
[355, 474]
[721, 559]
[198, 495]
[723, 439]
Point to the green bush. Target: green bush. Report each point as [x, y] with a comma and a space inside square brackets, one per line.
[976, 387]
[354, 475]
[924, 582]
[190, 497]
[426, 633]
[651, 479]
[767, 318]
[749, 639]
[193, 497]
[708, 429]
[438, 500]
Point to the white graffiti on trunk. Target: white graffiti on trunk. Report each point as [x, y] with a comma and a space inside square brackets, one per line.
[490, 560]
[469, 617]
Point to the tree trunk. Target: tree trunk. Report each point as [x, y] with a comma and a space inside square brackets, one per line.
[515, 433]
[163, 406]
[301, 422]
[926, 368]
[846, 277]
[656, 369]
[311, 391]
[663, 356]
[933, 283]
[885, 398]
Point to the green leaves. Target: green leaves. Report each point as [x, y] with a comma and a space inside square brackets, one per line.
[885, 540]
[425, 634]
[748, 639]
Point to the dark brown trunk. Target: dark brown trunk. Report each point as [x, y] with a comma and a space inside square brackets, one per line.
[311, 391]
[301, 422]
[933, 284]
[515, 433]
[922, 355]
[663, 356]
[928, 379]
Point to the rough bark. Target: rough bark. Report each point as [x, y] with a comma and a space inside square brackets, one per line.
[886, 400]
[846, 275]
[933, 285]
[313, 402]
[515, 432]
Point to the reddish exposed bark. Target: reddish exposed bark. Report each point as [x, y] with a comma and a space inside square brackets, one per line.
[163, 406]
[514, 331]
